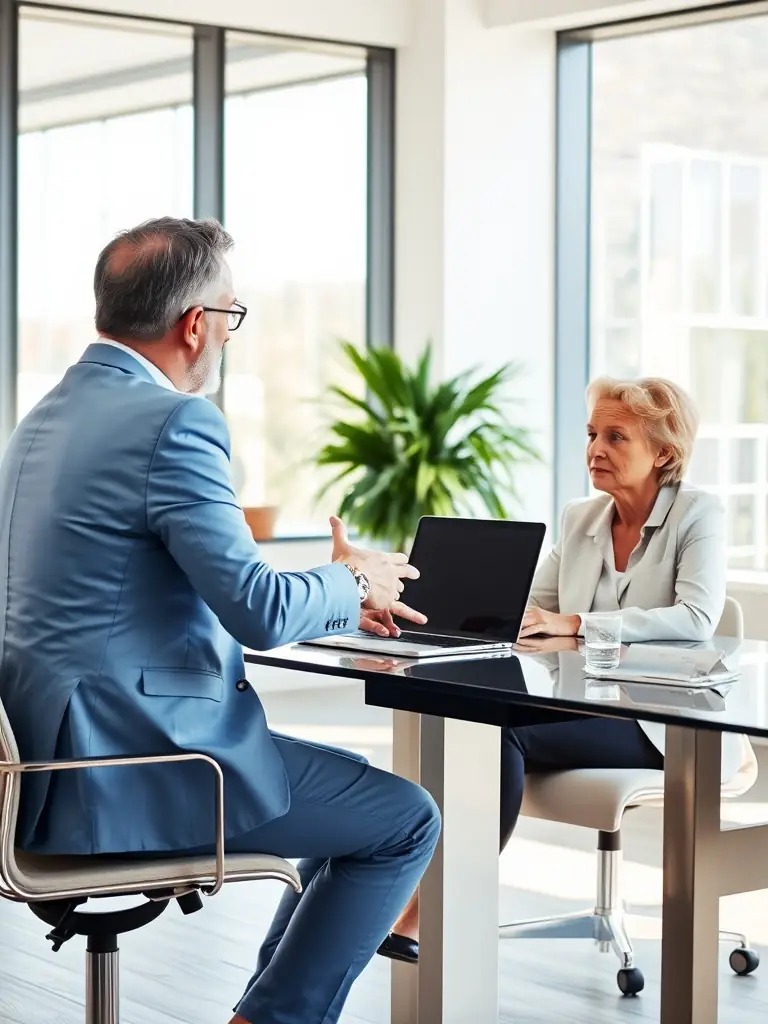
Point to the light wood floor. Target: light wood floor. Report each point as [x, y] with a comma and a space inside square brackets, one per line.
[192, 969]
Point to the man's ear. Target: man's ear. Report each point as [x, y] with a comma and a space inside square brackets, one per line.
[192, 326]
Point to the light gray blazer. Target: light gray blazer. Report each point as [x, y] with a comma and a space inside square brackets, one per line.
[674, 586]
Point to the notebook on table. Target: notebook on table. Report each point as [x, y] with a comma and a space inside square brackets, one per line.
[673, 666]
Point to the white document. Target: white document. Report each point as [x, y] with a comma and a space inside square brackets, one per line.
[676, 666]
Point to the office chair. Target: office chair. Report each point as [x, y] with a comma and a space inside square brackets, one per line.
[56, 889]
[597, 798]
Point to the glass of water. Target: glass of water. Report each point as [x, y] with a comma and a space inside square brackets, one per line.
[602, 636]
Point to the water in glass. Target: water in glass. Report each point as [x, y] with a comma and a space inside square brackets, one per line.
[602, 649]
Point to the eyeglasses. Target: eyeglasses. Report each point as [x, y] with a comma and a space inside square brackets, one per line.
[235, 315]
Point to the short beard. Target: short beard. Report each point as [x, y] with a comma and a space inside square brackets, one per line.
[205, 374]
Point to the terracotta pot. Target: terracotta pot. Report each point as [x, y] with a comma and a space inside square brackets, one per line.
[261, 519]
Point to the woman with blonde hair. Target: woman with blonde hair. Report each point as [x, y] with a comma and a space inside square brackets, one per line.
[648, 546]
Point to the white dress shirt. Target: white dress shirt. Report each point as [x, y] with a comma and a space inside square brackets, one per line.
[157, 375]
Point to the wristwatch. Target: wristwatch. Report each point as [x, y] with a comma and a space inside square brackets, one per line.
[362, 581]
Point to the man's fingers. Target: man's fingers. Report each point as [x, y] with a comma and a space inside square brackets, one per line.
[339, 531]
[408, 572]
[373, 626]
[404, 611]
[390, 629]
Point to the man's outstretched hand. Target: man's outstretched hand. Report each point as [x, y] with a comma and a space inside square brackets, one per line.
[386, 573]
[382, 622]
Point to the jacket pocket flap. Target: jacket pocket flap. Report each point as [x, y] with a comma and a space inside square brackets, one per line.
[168, 682]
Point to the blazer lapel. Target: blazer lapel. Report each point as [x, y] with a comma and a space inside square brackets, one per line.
[585, 563]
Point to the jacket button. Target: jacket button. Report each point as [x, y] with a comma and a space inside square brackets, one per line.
[242, 685]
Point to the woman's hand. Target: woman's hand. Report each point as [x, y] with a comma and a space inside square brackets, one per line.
[538, 621]
[381, 622]
[547, 644]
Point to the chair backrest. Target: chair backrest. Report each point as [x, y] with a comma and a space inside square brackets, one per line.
[732, 620]
[732, 624]
[9, 801]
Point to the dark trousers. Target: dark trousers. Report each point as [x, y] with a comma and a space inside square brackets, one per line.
[579, 743]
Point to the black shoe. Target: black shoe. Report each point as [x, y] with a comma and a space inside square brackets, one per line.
[400, 947]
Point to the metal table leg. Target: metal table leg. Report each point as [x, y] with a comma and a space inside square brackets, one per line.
[459, 949]
[689, 959]
[458, 975]
[404, 986]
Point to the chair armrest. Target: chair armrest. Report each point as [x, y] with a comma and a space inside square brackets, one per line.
[19, 768]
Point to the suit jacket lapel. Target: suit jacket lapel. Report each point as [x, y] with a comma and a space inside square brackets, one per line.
[586, 564]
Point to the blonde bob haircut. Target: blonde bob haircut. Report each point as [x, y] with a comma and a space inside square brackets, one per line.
[666, 413]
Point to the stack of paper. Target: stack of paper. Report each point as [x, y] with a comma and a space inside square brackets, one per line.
[649, 663]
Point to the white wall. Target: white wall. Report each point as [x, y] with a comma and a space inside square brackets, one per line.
[573, 13]
[475, 205]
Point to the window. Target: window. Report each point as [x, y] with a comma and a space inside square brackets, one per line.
[303, 179]
[295, 200]
[105, 123]
[679, 251]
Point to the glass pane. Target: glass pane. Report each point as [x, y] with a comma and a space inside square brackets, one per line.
[673, 116]
[707, 348]
[729, 376]
[704, 218]
[105, 125]
[622, 351]
[664, 281]
[744, 468]
[744, 256]
[741, 521]
[704, 469]
[296, 180]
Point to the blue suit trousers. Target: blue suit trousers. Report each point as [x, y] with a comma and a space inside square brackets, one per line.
[365, 837]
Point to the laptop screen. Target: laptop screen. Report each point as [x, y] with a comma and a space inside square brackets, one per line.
[476, 575]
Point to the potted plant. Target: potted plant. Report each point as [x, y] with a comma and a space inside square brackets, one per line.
[415, 448]
[261, 519]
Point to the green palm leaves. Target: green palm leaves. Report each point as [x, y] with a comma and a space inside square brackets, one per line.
[415, 449]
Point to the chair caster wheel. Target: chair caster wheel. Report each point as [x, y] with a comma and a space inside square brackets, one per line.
[631, 981]
[744, 961]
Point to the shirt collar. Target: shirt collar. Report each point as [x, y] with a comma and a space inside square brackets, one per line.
[156, 374]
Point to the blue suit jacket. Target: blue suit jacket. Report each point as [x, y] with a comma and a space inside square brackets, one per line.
[129, 582]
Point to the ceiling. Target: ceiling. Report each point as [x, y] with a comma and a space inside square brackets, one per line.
[75, 68]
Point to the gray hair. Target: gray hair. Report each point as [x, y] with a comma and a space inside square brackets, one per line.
[149, 276]
[665, 412]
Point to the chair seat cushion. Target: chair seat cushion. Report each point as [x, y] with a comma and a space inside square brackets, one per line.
[591, 797]
[95, 876]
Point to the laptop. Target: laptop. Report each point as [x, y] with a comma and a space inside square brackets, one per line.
[476, 577]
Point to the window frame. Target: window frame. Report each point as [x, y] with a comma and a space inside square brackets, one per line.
[573, 242]
[208, 155]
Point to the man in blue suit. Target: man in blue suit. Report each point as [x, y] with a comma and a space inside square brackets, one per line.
[129, 583]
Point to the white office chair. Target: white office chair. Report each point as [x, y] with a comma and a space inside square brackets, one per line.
[56, 888]
[598, 799]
